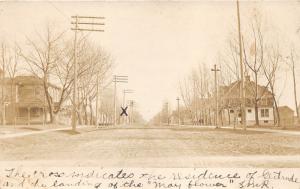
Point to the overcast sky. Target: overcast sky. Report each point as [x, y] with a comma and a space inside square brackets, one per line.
[155, 43]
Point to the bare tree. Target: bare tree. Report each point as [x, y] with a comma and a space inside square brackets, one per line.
[256, 53]
[203, 91]
[229, 59]
[293, 68]
[3, 83]
[185, 88]
[195, 91]
[42, 56]
[10, 57]
[95, 64]
[270, 69]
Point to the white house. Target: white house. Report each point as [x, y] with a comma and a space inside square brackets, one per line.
[230, 103]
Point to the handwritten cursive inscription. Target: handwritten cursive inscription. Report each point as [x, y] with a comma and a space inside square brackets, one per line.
[101, 178]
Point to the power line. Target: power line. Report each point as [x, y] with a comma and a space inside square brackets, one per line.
[58, 10]
[242, 93]
[216, 95]
[77, 27]
[117, 79]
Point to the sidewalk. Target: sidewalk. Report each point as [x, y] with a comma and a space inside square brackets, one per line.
[288, 132]
[22, 132]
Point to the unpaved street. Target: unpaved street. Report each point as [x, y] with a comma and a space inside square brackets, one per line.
[155, 147]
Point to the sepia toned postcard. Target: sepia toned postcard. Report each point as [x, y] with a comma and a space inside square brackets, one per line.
[150, 94]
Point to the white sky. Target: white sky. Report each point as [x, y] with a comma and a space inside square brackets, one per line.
[155, 43]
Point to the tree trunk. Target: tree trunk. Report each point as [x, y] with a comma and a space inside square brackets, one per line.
[256, 101]
[91, 116]
[277, 112]
[295, 91]
[54, 118]
[85, 115]
[274, 114]
[228, 113]
[256, 114]
[209, 117]
[222, 121]
[79, 116]
[48, 98]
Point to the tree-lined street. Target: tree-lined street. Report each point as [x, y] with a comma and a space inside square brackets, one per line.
[150, 84]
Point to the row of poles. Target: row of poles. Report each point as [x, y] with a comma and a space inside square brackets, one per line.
[79, 23]
[242, 86]
[91, 24]
[83, 23]
[122, 79]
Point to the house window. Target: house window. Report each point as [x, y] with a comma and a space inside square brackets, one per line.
[232, 111]
[35, 112]
[248, 101]
[264, 112]
[249, 110]
[38, 91]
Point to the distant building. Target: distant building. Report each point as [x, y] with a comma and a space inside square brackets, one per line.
[286, 115]
[24, 100]
[230, 103]
[297, 120]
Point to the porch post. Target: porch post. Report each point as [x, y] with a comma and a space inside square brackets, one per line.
[44, 115]
[16, 115]
[28, 116]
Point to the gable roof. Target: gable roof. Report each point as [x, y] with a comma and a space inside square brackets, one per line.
[32, 80]
[233, 90]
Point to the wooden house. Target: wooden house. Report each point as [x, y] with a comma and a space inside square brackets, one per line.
[25, 101]
[286, 116]
[230, 103]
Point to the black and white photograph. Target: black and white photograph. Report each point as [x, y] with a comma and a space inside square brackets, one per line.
[150, 84]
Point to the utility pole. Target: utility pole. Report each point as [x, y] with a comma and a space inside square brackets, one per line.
[89, 23]
[178, 110]
[44, 105]
[97, 99]
[160, 118]
[242, 93]
[216, 96]
[124, 94]
[195, 121]
[167, 105]
[117, 79]
[131, 112]
[3, 85]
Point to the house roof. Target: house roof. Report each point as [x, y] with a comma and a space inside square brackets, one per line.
[285, 108]
[28, 80]
[233, 90]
